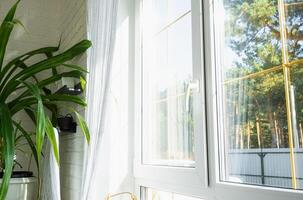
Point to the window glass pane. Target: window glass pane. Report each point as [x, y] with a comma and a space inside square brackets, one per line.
[159, 14]
[260, 93]
[167, 104]
[152, 194]
[294, 25]
[177, 8]
[297, 119]
[165, 12]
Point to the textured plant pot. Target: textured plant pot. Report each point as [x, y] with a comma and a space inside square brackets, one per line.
[22, 189]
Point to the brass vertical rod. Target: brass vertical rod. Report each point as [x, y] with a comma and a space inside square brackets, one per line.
[286, 75]
[301, 134]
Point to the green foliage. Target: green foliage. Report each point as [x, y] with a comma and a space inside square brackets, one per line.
[34, 97]
[253, 35]
[7, 135]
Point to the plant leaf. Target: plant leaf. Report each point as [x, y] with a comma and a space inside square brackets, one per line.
[50, 80]
[82, 83]
[40, 128]
[53, 108]
[77, 67]
[54, 70]
[22, 58]
[29, 140]
[83, 126]
[49, 129]
[30, 114]
[18, 22]
[40, 118]
[6, 133]
[65, 98]
[54, 61]
[5, 31]
[48, 63]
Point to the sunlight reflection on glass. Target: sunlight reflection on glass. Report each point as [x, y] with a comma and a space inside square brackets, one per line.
[167, 70]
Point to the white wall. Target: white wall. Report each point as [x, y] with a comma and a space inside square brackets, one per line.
[40, 18]
[73, 29]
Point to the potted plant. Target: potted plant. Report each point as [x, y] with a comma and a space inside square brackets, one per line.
[33, 97]
[23, 184]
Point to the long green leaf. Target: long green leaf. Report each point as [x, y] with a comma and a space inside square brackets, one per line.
[53, 108]
[40, 128]
[22, 105]
[54, 70]
[55, 78]
[30, 142]
[18, 22]
[40, 118]
[19, 64]
[49, 129]
[51, 80]
[6, 133]
[49, 63]
[30, 113]
[49, 99]
[82, 83]
[13, 65]
[65, 98]
[5, 31]
[52, 62]
[83, 126]
[77, 67]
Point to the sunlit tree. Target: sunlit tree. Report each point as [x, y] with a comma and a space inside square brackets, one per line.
[255, 106]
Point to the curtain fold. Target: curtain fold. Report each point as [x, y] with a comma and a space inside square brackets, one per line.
[101, 26]
[50, 188]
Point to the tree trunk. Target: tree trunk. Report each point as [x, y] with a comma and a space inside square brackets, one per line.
[248, 135]
[276, 131]
[258, 132]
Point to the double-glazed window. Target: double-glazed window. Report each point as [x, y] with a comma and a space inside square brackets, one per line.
[261, 92]
[247, 56]
[167, 71]
[171, 138]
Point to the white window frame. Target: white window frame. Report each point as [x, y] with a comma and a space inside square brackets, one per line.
[177, 176]
[220, 189]
[203, 181]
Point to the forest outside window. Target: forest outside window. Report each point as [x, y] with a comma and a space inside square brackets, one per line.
[259, 74]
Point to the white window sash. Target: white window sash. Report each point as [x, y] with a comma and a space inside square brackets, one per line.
[195, 177]
[204, 180]
[218, 189]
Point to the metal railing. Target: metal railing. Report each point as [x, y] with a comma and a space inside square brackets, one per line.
[265, 165]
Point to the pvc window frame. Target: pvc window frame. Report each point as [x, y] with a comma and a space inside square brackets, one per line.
[196, 176]
[204, 181]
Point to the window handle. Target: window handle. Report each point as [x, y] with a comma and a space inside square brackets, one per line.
[193, 86]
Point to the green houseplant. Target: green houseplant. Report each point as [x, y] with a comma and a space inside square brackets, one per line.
[34, 96]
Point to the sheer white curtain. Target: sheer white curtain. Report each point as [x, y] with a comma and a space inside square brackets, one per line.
[50, 188]
[102, 16]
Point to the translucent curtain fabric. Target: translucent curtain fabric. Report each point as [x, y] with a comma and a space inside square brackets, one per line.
[50, 188]
[101, 25]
